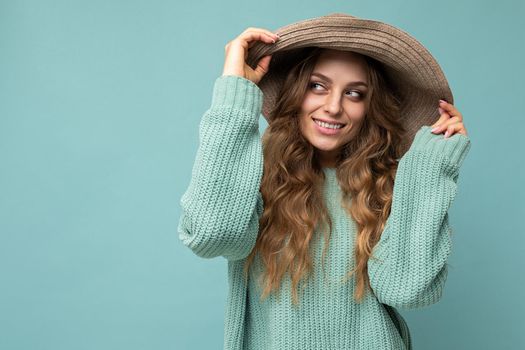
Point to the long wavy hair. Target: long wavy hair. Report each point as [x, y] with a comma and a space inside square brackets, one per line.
[292, 180]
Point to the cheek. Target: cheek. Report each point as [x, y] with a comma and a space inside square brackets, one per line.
[358, 113]
[303, 123]
[310, 102]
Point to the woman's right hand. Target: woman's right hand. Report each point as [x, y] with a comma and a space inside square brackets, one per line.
[236, 52]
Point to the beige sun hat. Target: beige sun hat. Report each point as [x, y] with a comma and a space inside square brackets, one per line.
[413, 72]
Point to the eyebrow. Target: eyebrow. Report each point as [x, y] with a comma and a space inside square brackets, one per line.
[354, 83]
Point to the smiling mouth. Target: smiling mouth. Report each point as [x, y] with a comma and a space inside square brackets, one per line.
[342, 124]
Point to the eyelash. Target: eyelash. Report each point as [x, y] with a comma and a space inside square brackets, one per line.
[359, 92]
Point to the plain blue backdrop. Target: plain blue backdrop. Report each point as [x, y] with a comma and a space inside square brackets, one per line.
[100, 103]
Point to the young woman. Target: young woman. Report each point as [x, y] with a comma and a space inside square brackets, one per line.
[333, 219]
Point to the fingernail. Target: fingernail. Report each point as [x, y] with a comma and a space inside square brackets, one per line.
[442, 101]
[446, 134]
[441, 111]
[435, 129]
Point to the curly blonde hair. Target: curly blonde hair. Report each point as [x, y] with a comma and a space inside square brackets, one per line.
[292, 180]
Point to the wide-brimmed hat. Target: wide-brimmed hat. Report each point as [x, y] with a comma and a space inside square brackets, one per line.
[413, 72]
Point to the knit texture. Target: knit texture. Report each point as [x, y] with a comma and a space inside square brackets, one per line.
[220, 217]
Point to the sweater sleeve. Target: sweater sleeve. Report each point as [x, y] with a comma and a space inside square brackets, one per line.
[411, 266]
[222, 204]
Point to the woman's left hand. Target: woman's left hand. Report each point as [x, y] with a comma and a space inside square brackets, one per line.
[450, 120]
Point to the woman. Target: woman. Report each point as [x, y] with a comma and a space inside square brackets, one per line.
[338, 216]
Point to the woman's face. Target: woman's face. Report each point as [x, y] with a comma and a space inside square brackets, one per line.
[336, 94]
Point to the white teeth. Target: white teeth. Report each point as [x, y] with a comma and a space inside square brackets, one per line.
[326, 125]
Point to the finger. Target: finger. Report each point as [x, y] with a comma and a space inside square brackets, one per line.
[439, 128]
[451, 129]
[266, 33]
[459, 128]
[253, 38]
[262, 66]
[442, 118]
[262, 37]
[450, 109]
[250, 36]
[455, 128]
[269, 32]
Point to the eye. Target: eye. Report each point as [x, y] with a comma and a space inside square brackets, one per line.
[357, 93]
[312, 84]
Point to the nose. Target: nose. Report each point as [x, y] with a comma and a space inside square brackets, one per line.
[332, 104]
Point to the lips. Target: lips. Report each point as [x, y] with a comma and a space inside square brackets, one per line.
[328, 121]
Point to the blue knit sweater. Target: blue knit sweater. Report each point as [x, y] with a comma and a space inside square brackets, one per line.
[220, 217]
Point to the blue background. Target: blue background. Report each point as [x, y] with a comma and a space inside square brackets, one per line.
[99, 109]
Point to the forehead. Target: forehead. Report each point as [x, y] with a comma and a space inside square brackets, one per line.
[341, 63]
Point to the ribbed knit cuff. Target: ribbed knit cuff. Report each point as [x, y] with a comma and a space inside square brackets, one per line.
[237, 92]
[455, 147]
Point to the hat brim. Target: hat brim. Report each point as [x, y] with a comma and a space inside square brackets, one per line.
[414, 73]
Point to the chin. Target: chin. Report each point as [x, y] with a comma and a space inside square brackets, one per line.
[321, 146]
